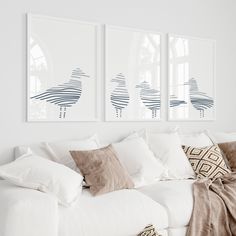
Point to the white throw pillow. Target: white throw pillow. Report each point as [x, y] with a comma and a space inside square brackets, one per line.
[222, 137]
[37, 173]
[195, 139]
[60, 150]
[140, 133]
[38, 149]
[139, 161]
[167, 148]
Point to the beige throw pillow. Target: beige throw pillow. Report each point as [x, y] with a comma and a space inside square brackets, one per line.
[207, 162]
[229, 150]
[102, 170]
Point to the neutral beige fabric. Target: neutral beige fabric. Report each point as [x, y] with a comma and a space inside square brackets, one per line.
[214, 212]
[102, 170]
[229, 150]
[207, 162]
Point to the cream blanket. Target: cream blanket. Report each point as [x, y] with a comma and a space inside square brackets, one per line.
[214, 212]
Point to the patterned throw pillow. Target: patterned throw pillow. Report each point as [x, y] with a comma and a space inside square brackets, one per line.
[149, 231]
[207, 162]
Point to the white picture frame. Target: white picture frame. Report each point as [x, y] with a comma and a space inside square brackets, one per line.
[63, 69]
[191, 78]
[133, 71]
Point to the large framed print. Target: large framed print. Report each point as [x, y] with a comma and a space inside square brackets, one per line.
[133, 74]
[62, 69]
[191, 82]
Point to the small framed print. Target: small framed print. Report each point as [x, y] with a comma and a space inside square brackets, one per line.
[191, 83]
[63, 69]
[133, 74]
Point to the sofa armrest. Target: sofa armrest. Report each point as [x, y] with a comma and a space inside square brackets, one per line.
[27, 212]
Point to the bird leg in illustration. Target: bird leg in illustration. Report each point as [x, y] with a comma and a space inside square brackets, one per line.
[118, 113]
[64, 95]
[199, 100]
[150, 97]
[119, 97]
[64, 114]
[201, 113]
[60, 115]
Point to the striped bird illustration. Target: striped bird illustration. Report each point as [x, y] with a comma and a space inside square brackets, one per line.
[64, 95]
[119, 96]
[174, 102]
[150, 97]
[200, 101]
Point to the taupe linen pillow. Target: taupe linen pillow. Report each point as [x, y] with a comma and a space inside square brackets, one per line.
[229, 150]
[207, 162]
[102, 170]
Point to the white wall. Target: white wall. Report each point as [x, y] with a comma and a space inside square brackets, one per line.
[202, 18]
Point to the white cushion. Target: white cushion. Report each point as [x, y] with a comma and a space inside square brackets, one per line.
[26, 212]
[177, 198]
[60, 150]
[35, 148]
[195, 139]
[182, 231]
[139, 161]
[119, 213]
[44, 175]
[167, 148]
[137, 134]
[223, 137]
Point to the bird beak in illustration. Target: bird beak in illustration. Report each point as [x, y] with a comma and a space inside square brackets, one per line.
[115, 80]
[79, 74]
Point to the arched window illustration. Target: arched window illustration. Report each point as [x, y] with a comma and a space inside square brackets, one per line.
[39, 70]
[147, 62]
[178, 75]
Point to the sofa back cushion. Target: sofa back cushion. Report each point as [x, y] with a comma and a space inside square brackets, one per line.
[167, 148]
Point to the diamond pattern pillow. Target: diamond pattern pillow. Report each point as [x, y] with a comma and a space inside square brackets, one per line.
[207, 162]
[149, 231]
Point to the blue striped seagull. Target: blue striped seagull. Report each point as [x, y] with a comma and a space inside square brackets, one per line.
[119, 96]
[150, 97]
[174, 102]
[64, 95]
[200, 101]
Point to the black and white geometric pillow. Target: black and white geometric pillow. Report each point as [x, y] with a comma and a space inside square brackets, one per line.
[207, 162]
[149, 231]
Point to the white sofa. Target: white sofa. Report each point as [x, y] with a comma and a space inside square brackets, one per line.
[165, 204]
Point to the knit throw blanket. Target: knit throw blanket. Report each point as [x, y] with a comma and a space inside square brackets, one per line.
[149, 231]
[214, 211]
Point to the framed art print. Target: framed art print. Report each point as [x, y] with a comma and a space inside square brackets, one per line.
[191, 83]
[133, 74]
[63, 69]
